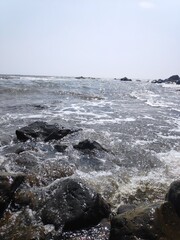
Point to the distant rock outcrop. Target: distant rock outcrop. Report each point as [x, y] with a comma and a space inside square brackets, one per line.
[173, 79]
[124, 79]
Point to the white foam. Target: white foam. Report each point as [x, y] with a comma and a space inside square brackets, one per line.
[172, 161]
[168, 136]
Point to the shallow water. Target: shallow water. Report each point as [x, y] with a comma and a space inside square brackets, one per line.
[137, 122]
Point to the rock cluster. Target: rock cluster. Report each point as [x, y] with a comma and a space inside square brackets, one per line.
[124, 79]
[150, 222]
[46, 200]
[173, 79]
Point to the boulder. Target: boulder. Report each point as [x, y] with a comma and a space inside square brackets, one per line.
[135, 224]
[60, 148]
[81, 77]
[152, 222]
[173, 195]
[42, 130]
[9, 183]
[67, 204]
[88, 145]
[125, 79]
[158, 81]
[74, 206]
[173, 78]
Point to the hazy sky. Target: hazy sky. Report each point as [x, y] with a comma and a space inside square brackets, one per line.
[100, 38]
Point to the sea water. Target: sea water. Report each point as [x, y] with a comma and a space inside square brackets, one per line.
[137, 122]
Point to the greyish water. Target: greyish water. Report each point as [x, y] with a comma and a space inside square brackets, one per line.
[137, 122]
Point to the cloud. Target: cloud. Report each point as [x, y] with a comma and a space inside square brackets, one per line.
[146, 4]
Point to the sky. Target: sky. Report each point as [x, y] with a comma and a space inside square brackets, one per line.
[92, 38]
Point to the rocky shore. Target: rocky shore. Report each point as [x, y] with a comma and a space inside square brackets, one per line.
[172, 79]
[45, 200]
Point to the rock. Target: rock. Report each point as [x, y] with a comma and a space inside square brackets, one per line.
[23, 226]
[81, 77]
[158, 81]
[125, 79]
[42, 130]
[99, 232]
[74, 206]
[89, 145]
[60, 148]
[173, 78]
[153, 222]
[125, 208]
[9, 183]
[135, 224]
[173, 195]
[66, 204]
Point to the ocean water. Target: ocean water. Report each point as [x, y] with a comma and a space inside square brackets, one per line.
[137, 122]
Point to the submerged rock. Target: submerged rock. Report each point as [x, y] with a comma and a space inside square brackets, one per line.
[89, 145]
[42, 130]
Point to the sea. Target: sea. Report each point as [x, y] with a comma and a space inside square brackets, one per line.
[137, 122]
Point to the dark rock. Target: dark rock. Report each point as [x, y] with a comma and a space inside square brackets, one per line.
[99, 232]
[173, 195]
[135, 224]
[42, 130]
[60, 148]
[81, 77]
[153, 222]
[178, 82]
[89, 145]
[173, 78]
[23, 226]
[158, 81]
[58, 135]
[125, 208]
[9, 183]
[74, 206]
[125, 79]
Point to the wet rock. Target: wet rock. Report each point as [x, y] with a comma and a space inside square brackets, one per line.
[126, 208]
[42, 130]
[74, 206]
[125, 79]
[81, 77]
[5, 139]
[23, 226]
[9, 183]
[68, 204]
[172, 79]
[158, 81]
[89, 145]
[99, 232]
[173, 195]
[135, 224]
[153, 222]
[60, 148]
